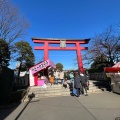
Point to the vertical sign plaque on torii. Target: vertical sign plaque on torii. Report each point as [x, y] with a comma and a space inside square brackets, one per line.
[62, 42]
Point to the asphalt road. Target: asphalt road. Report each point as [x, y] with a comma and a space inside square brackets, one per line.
[98, 106]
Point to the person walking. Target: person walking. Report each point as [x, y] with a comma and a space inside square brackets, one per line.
[84, 83]
[88, 81]
[77, 80]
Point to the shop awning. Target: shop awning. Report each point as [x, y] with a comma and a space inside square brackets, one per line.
[113, 69]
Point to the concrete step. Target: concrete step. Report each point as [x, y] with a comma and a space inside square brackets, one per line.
[45, 96]
[58, 90]
[100, 85]
[49, 91]
[46, 90]
[55, 87]
[48, 86]
[38, 97]
[94, 90]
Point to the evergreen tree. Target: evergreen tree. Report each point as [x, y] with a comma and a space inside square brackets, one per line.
[4, 53]
[24, 54]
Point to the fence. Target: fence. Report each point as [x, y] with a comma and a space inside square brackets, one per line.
[22, 81]
[98, 76]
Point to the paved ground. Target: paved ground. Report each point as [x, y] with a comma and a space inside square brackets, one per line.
[99, 106]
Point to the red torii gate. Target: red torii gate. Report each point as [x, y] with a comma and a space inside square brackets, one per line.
[77, 42]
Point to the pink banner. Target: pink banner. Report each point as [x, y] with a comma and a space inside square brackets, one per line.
[42, 65]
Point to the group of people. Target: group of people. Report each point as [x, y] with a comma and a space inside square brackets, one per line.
[79, 82]
[55, 76]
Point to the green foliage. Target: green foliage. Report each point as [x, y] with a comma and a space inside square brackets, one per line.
[99, 63]
[4, 53]
[25, 54]
[59, 66]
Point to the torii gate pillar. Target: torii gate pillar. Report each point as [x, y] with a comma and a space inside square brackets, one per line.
[77, 47]
[46, 51]
[79, 58]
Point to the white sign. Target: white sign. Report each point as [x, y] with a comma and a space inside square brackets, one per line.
[40, 66]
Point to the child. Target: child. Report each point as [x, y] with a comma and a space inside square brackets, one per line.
[65, 84]
[51, 79]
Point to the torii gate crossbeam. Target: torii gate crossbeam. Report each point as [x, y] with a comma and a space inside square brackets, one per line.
[77, 42]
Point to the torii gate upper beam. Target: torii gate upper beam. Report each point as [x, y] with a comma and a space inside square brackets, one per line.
[77, 42]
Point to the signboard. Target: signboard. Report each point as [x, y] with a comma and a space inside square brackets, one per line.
[62, 43]
[41, 66]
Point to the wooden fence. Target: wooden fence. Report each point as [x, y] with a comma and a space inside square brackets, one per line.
[24, 81]
[21, 81]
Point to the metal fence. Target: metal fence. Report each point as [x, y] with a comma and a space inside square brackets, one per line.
[98, 76]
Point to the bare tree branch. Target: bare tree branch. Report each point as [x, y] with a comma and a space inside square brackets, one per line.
[12, 24]
[105, 43]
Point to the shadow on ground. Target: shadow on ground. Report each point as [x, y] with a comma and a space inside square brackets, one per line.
[103, 85]
[6, 110]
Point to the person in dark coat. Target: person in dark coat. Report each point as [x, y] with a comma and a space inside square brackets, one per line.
[77, 83]
[84, 82]
[88, 81]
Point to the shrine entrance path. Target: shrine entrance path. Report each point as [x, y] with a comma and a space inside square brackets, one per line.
[99, 106]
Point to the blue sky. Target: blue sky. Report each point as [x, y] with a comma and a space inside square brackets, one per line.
[67, 19]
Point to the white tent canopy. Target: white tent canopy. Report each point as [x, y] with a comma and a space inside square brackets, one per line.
[116, 65]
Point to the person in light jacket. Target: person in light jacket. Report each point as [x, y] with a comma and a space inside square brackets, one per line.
[61, 76]
[57, 76]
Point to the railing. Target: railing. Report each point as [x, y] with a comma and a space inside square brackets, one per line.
[98, 76]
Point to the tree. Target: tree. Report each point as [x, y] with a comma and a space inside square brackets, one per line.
[12, 24]
[24, 54]
[4, 53]
[59, 66]
[105, 44]
[99, 64]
